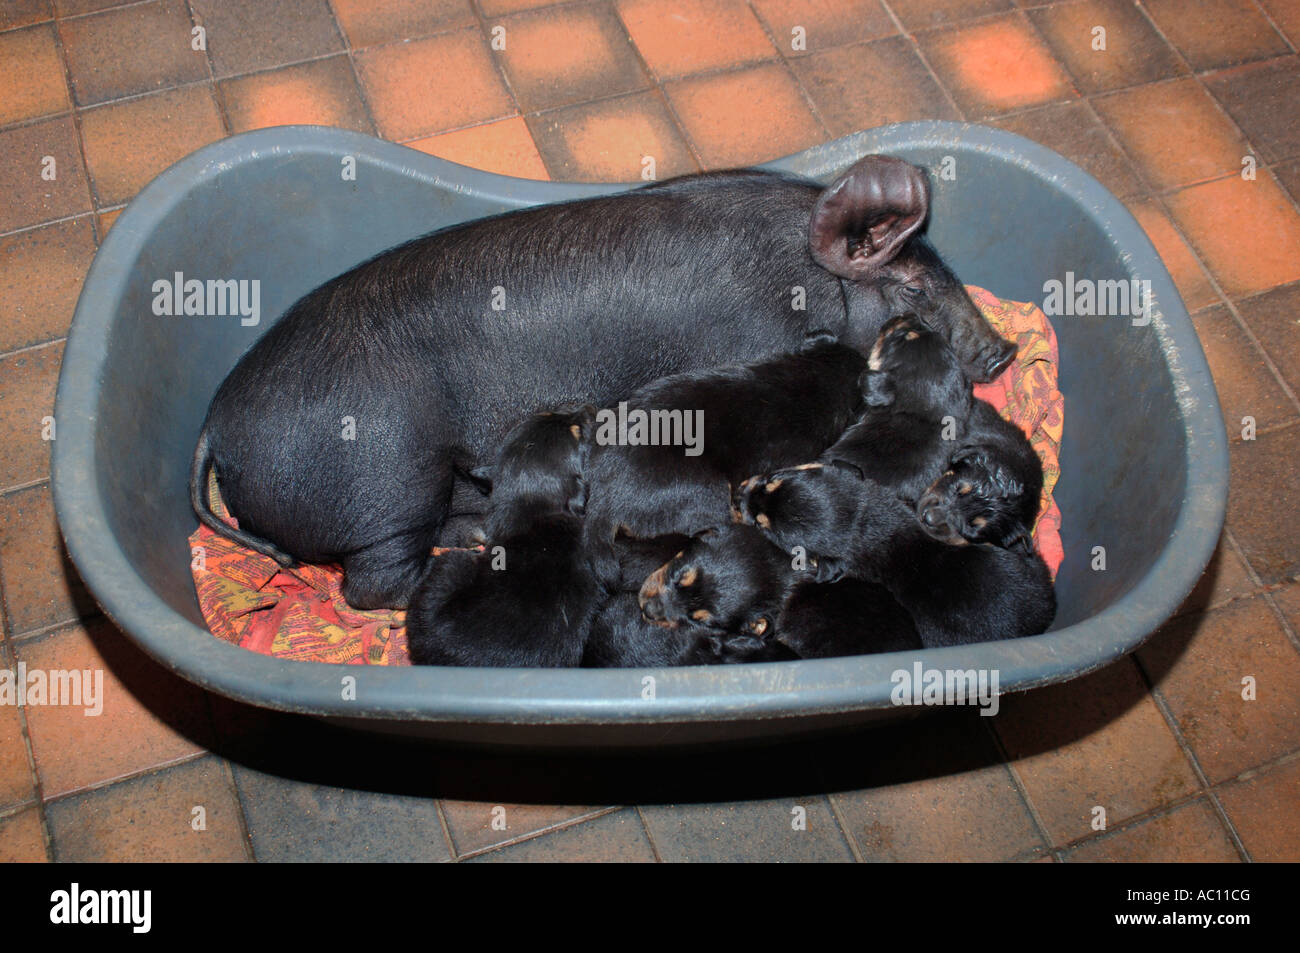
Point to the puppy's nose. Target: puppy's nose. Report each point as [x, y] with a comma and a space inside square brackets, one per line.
[653, 609]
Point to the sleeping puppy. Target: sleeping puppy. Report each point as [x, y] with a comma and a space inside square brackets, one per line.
[991, 489]
[734, 421]
[529, 597]
[917, 403]
[734, 581]
[955, 593]
[623, 636]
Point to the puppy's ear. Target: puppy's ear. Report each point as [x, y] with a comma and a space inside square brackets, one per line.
[481, 477]
[705, 533]
[829, 569]
[877, 388]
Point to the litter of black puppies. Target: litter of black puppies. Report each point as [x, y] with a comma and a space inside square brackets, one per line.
[911, 531]
[743, 419]
[956, 592]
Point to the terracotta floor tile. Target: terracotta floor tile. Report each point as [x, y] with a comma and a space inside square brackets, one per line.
[1192, 833]
[152, 818]
[21, 838]
[18, 13]
[1095, 741]
[505, 147]
[41, 271]
[149, 716]
[1263, 499]
[27, 383]
[924, 14]
[1246, 386]
[949, 810]
[740, 118]
[128, 144]
[28, 198]
[1224, 580]
[1072, 130]
[323, 92]
[1214, 33]
[407, 85]
[996, 65]
[294, 822]
[1288, 173]
[677, 37]
[1198, 664]
[609, 141]
[568, 55]
[1262, 809]
[1247, 232]
[17, 783]
[34, 81]
[825, 23]
[136, 49]
[1286, 16]
[493, 8]
[1275, 318]
[612, 838]
[247, 35]
[901, 87]
[470, 823]
[70, 8]
[370, 22]
[1261, 98]
[1134, 52]
[1189, 275]
[748, 831]
[40, 585]
[1174, 132]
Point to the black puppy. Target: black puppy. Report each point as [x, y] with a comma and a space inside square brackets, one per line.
[918, 402]
[529, 597]
[622, 637]
[439, 345]
[955, 593]
[735, 582]
[990, 492]
[734, 421]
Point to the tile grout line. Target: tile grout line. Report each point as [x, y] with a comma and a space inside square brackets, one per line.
[92, 191]
[10, 659]
[1162, 704]
[788, 69]
[649, 835]
[534, 835]
[245, 831]
[1019, 784]
[1266, 591]
[925, 60]
[1263, 11]
[218, 100]
[657, 84]
[855, 849]
[362, 93]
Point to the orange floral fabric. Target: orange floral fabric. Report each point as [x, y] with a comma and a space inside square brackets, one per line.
[251, 601]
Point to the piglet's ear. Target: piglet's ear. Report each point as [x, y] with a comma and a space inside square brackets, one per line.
[862, 219]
